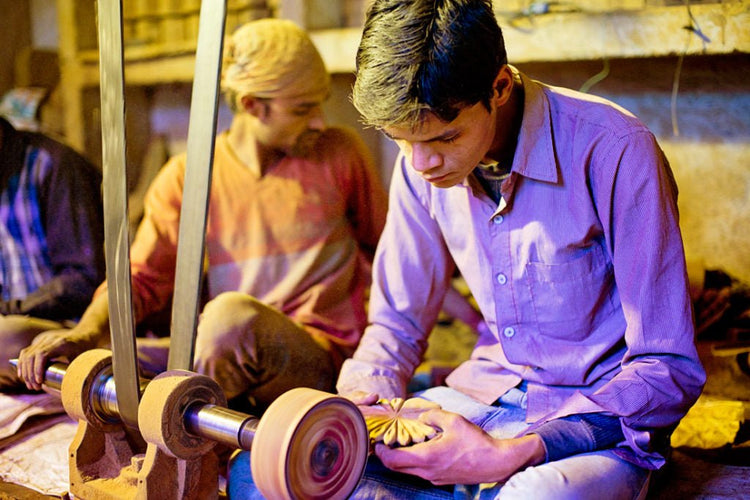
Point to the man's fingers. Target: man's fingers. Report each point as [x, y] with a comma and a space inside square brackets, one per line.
[40, 363]
[361, 398]
[398, 459]
[31, 367]
[417, 459]
[21, 367]
[439, 419]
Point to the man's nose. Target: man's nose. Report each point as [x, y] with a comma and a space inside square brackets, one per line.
[423, 157]
[317, 120]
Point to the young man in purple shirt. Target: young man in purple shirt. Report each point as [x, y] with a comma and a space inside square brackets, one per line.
[559, 210]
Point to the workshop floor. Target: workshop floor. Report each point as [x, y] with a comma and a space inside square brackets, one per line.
[712, 460]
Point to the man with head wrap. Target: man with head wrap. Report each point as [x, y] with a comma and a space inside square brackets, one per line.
[294, 215]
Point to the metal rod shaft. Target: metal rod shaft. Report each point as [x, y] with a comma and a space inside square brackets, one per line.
[53, 375]
[229, 427]
[209, 421]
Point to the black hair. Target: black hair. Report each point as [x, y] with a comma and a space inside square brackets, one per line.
[418, 56]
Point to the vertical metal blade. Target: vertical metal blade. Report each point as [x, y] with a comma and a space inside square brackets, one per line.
[200, 153]
[116, 239]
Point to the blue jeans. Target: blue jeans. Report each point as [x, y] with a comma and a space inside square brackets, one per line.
[594, 475]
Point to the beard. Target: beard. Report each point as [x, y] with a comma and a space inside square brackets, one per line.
[304, 144]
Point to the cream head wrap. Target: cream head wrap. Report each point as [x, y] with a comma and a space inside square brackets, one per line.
[271, 58]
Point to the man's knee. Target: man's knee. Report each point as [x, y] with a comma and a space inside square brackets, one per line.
[588, 476]
[226, 320]
[230, 310]
[535, 482]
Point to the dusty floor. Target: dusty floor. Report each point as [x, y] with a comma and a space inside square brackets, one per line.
[705, 466]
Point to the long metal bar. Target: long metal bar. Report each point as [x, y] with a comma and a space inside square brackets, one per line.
[223, 425]
[116, 237]
[200, 152]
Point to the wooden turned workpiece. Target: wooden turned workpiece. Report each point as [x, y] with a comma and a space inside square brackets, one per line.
[309, 445]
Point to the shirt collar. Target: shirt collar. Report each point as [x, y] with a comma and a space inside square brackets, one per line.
[535, 157]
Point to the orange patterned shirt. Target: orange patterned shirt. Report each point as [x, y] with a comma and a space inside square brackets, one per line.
[299, 238]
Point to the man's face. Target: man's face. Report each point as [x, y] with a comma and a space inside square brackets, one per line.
[292, 124]
[443, 153]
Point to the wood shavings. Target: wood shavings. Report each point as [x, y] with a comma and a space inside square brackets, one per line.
[395, 422]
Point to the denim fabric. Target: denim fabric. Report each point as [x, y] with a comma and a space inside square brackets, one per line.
[589, 476]
[240, 483]
[378, 482]
[501, 421]
[564, 437]
[381, 483]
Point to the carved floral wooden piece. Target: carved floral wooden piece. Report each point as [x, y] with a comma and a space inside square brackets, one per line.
[395, 422]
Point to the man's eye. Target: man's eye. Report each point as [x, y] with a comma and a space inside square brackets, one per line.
[449, 140]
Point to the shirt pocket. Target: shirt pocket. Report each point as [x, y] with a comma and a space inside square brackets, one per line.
[570, 299]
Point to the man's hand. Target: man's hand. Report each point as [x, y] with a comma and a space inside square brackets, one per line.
[8, 307]
[462, 453]
[361, 398]
[32, 360]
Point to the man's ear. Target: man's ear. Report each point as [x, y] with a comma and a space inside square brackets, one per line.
[503, 85]
[254, 106]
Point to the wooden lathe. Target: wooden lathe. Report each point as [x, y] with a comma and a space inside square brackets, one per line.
[308, 444]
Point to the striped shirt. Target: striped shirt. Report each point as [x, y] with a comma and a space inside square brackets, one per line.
[24, 260]
[51, 229]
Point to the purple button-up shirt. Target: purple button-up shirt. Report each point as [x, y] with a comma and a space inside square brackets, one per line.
[579, 272]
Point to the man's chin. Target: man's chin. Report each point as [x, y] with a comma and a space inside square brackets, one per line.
[443, 182]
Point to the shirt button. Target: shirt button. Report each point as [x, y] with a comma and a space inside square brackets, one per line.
[498, 219]
[509, 331]
[501, 278]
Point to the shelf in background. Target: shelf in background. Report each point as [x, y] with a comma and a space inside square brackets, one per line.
[649, 32]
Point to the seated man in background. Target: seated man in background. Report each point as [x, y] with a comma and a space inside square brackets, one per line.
[51, 239]
[295, 213]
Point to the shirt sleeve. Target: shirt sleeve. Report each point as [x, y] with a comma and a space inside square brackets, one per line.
[71, 209]
[153, 253]
[661, 374]
[411, 272]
